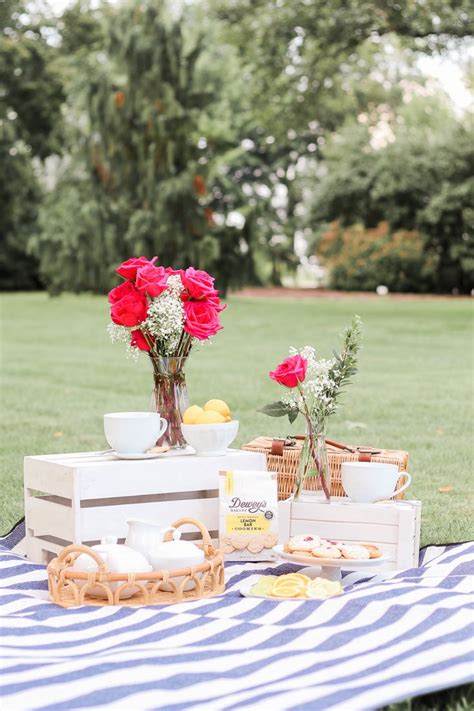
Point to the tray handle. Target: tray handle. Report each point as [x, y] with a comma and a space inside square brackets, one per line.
[206, 539]
[70, 553]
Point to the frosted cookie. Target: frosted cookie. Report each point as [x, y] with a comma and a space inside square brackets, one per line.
[355, 552]
[326, 552]
[270, 540]
[303, 543]
[256, 544]
[239, 541]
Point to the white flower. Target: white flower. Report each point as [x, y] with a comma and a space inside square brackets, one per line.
[118, 333]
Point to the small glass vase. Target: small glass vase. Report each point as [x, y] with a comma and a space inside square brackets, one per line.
[170, 397]
[314, 474]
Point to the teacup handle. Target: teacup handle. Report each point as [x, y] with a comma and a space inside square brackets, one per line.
[405, 485]
[163, 428]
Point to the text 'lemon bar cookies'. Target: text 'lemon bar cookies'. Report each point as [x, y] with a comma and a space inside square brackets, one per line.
[248, 514]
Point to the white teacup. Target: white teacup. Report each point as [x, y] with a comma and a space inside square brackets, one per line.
[133, 432]
[366, 482]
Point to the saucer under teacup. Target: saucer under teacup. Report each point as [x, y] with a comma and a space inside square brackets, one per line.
[139, 455]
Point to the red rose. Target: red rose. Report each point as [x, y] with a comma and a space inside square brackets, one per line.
[198, 283]
[213, 298]
[201, 319]
[129, 268]
[291, 372]
[130, 310]
[151, 280]
[139, 341]
[124, 289]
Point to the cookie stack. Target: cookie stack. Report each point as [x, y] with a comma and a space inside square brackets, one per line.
[311, 545]
[253, 544]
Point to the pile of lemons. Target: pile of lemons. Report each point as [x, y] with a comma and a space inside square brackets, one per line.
[214, 412]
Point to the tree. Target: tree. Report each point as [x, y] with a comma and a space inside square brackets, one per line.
[420, 180]
[301, 56]
[30, 102]
[135, 173]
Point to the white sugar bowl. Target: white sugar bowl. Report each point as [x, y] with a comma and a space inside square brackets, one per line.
[119, 559]
[174, 555]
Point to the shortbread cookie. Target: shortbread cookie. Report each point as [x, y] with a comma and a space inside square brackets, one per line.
[326, 552]
[355, 552]
[256, 544]
[374, 550]
[239, 541]
[305, 542]
[270, 540]
[226, 545]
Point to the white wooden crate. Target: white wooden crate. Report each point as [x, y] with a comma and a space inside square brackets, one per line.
[393, 526]
[78, 498]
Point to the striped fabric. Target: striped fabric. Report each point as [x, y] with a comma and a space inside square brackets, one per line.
[383, 640]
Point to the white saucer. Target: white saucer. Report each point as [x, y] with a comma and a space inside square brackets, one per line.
[138, 455]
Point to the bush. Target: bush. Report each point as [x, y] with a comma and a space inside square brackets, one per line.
[360, 259]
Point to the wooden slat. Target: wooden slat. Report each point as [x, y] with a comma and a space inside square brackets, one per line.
[344, 531]
[101, 521]
[47, 476]
[157, 476]
[49, 518]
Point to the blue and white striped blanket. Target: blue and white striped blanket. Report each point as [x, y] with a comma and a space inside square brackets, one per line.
[383, 640]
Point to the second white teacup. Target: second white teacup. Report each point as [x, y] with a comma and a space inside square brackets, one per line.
[133, 432]
[367, 482]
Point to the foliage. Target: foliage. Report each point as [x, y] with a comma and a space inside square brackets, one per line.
[30, 102]
[202, 135]
[306, 59]
[419, 185]
[362, 258]
[136, 173]
[316, 396]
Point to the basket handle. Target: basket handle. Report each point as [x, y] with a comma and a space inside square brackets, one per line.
[79, 548]
[206, 539]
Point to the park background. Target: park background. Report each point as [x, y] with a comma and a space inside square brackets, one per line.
[324, 147]
[320, 147]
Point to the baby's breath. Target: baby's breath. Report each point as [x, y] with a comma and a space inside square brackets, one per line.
[118, 333]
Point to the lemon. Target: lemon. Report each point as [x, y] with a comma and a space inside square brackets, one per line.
[190, 415]
[209, 417]
[218, 406]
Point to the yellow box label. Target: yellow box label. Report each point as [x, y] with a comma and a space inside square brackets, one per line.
[247, 523]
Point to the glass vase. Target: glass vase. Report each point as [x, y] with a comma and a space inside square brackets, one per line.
[314, 474]
[170, 397]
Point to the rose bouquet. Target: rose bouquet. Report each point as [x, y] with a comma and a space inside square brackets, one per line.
[164, 312]
[314, 387]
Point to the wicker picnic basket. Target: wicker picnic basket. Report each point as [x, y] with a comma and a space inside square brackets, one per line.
[70, 588]
[283, 457]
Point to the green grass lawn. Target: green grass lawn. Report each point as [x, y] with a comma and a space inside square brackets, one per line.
[60, 373]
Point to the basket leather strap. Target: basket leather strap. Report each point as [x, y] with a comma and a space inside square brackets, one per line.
[365, 454]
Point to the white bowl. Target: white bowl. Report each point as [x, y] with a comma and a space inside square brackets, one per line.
[211, 440]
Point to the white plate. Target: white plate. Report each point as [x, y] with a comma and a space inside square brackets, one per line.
[142, 455]
[343, 563]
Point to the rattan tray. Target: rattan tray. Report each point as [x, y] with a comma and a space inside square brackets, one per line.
[69, 588]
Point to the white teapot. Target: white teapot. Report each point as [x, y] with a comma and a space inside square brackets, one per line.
[176, 554]
[119, 559]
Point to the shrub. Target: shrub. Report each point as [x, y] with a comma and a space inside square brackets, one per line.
[360, 259]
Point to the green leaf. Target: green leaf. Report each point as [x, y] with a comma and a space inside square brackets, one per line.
[292, 415]
[275, 409]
